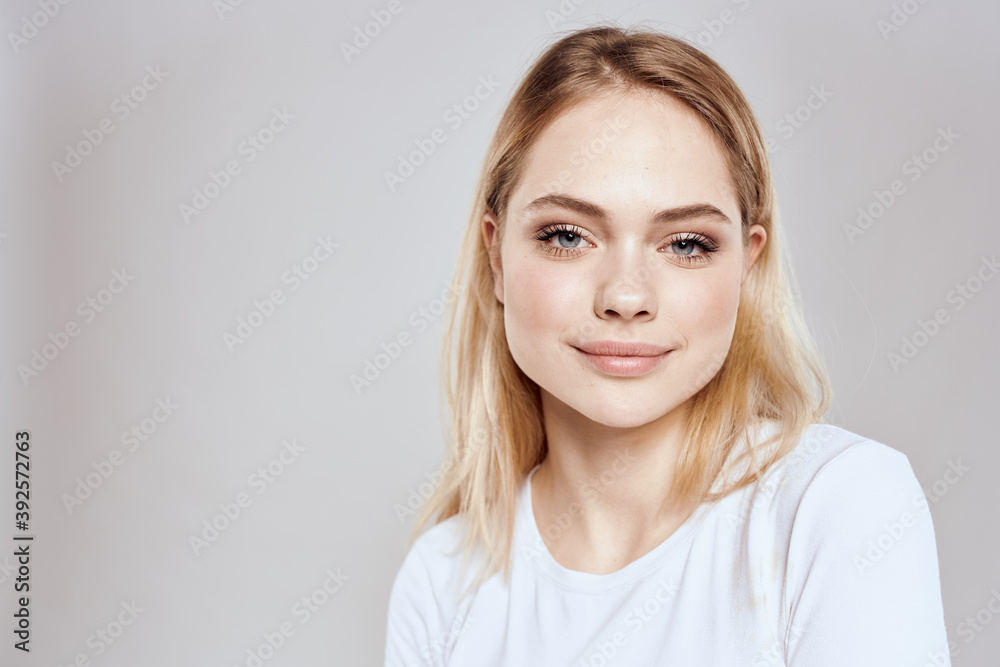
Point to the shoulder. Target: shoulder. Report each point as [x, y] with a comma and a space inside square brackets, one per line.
[830, 494]
[855, 493]
[825, 451]
[423, 602]
[837, 485]
[838, 472]
[430, 562]
[832, 468]
[860, 557]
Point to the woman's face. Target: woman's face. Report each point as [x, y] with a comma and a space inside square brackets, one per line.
[623, 228]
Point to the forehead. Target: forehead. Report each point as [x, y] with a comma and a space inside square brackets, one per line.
[639, 147]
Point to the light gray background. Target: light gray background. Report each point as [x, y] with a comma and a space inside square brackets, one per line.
[333, 506]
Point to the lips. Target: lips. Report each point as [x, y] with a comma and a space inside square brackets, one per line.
[622, 358]
[613, 348]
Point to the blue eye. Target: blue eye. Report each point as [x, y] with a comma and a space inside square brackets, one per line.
[686, 244]
[571, 234]
[570, 242]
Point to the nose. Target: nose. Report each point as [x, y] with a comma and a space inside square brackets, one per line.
[627, 289]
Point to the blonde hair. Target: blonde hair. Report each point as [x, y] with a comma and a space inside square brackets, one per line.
[772, 372]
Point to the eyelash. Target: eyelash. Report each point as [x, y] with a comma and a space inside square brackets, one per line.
[551, 231]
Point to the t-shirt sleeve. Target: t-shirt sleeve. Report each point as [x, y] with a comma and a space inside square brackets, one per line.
[862, 583]
[414, 615]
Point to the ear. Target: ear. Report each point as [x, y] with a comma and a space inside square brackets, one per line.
[757, 237]
[489, 229]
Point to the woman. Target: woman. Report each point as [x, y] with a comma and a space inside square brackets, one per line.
[636, 436]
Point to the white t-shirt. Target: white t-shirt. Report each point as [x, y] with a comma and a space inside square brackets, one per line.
[831, 561]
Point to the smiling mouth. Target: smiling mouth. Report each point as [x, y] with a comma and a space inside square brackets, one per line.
[615, 348]
[625, 365]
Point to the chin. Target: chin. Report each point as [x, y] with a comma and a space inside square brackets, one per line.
[623, 420]
[621, 413]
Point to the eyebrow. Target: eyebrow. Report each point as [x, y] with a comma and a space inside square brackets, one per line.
[583, 207]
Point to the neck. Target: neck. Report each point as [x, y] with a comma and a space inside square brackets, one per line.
[598, 496]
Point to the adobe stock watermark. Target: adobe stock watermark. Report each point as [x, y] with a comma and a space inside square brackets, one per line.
[132, 439]
[927, 329]
[714, 27]
[420, 320]
[416, 497]
[588, 151]
[635, 621]
[454, 116]
[230, 511]
[122, 107]
[302, 610]
[591, 490]
[30, 25]
[974, 624]
[88, 309]
[807, 448]
[941, 486]
[433, 652]
[264, 309]
[562, 12]
[915, 167]
[892, 534]
[104, 637]
[364, 34]
[225, 7]
[774, 655]
[795, 120]
[248, 149]
[898, 17]
[7, 569]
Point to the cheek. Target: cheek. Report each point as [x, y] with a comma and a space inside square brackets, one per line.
[706, 307]
[539, 302]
